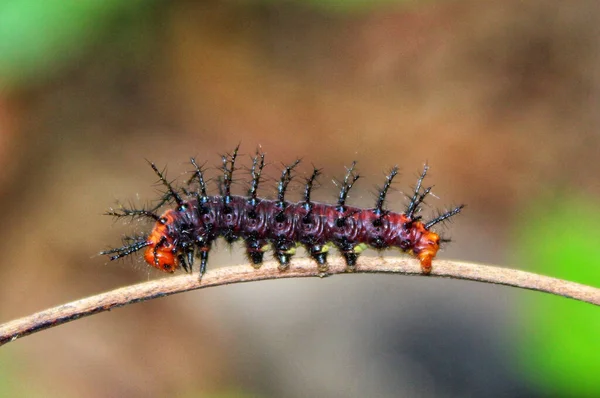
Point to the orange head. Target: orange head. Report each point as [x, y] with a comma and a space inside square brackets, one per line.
[161, 252]
[161, 257]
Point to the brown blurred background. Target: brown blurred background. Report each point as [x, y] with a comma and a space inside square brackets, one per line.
[500, 98]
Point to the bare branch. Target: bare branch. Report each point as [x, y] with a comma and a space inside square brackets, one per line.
[300, 268]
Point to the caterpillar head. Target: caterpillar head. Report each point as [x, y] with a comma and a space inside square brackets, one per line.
[162, 257]
[161, 252]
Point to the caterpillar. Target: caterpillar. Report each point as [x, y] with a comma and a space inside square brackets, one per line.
[189, 229]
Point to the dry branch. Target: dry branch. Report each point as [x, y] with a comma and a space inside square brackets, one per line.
[300, 268]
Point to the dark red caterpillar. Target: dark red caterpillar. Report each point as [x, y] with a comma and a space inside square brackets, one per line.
[189, 230]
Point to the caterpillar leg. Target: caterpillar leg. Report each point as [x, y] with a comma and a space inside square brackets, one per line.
[255, 250]
[319, 254]
[425, 259]
[203, 254]
[350, 258]
[283, 259]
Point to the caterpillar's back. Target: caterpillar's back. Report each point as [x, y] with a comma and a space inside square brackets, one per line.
[188, 230]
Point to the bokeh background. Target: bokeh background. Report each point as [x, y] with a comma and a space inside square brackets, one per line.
[500, 98]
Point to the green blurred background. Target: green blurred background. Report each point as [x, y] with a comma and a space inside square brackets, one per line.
[501, 98]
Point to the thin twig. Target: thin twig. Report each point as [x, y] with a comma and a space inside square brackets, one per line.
[302, 267]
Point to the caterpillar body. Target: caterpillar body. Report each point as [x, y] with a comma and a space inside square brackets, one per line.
[188, 230]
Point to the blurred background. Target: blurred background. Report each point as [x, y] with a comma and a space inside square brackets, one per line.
[500, 98]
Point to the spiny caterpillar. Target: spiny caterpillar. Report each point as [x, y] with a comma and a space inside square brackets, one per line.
[189, 230]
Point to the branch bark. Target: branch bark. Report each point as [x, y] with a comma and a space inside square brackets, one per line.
[300, 268]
